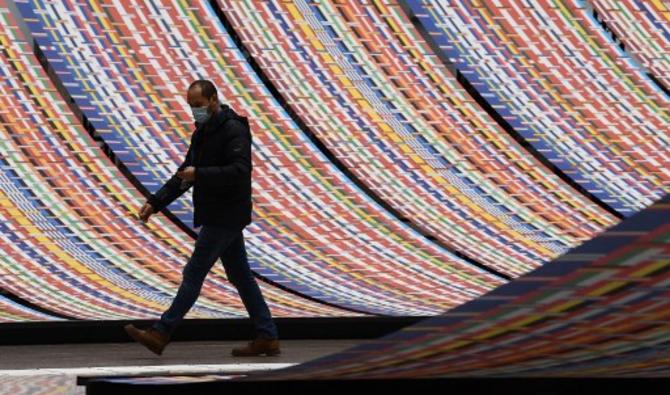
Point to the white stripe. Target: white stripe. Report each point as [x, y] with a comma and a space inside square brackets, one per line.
[147, 370]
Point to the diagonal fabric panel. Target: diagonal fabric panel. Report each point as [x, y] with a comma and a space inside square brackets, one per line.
[362, 80]
[314, 231]
[551, 72]
[69, 240]
[601, 310]
[643, 27]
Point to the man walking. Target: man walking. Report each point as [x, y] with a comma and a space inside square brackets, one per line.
[218, 166]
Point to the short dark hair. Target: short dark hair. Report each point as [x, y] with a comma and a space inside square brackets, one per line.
[207, 88]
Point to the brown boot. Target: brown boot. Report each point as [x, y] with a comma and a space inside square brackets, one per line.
[257, 347]
[150, 338]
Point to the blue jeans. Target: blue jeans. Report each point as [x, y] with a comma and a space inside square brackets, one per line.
[216, 242]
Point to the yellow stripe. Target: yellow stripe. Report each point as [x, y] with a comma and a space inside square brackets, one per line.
[608, 287]
[104, 22]
[491, 333]
[564, 306]
[651, 268]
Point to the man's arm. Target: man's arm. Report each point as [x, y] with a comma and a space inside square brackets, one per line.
[236, 172]
[173, 188]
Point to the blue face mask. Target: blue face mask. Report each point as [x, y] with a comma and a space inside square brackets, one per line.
[200, 114]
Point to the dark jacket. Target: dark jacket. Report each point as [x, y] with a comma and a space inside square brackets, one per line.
[220, 150]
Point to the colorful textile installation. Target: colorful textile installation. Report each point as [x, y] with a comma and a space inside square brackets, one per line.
[601, 310]
[383, 185]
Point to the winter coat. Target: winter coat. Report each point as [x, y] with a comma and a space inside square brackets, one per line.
[220, 151]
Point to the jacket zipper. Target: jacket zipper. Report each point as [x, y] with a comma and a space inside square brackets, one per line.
[202, 145]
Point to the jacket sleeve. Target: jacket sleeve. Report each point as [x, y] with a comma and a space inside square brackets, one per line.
[173, 188]
[238, 171]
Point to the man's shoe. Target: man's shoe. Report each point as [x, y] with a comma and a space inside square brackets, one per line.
[150, 338]
[257, 347]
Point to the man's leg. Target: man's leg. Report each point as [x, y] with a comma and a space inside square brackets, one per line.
[239, 274]
[212, 240]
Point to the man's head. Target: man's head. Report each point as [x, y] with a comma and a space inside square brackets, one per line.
[203, 99]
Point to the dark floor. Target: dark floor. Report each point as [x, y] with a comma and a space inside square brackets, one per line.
[56, 367]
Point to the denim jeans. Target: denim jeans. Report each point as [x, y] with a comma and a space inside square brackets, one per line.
[216, 242]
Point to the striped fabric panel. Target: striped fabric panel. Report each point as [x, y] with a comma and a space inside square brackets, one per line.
[599, 310]
[360, 77]
[644, 29]
[314, 231]
[554, 74]
[39, 385]
[69, 240]
[11, 311]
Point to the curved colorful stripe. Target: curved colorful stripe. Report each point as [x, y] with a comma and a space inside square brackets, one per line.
[550, 72]
[313, 230]
[69, 241]
[644, 29]
[378, 100]
[601, 310]
[10, 311]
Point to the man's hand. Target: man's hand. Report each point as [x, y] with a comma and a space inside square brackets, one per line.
[145, 212]
[188, 174]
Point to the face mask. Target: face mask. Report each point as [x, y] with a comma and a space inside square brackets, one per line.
[200, 114]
